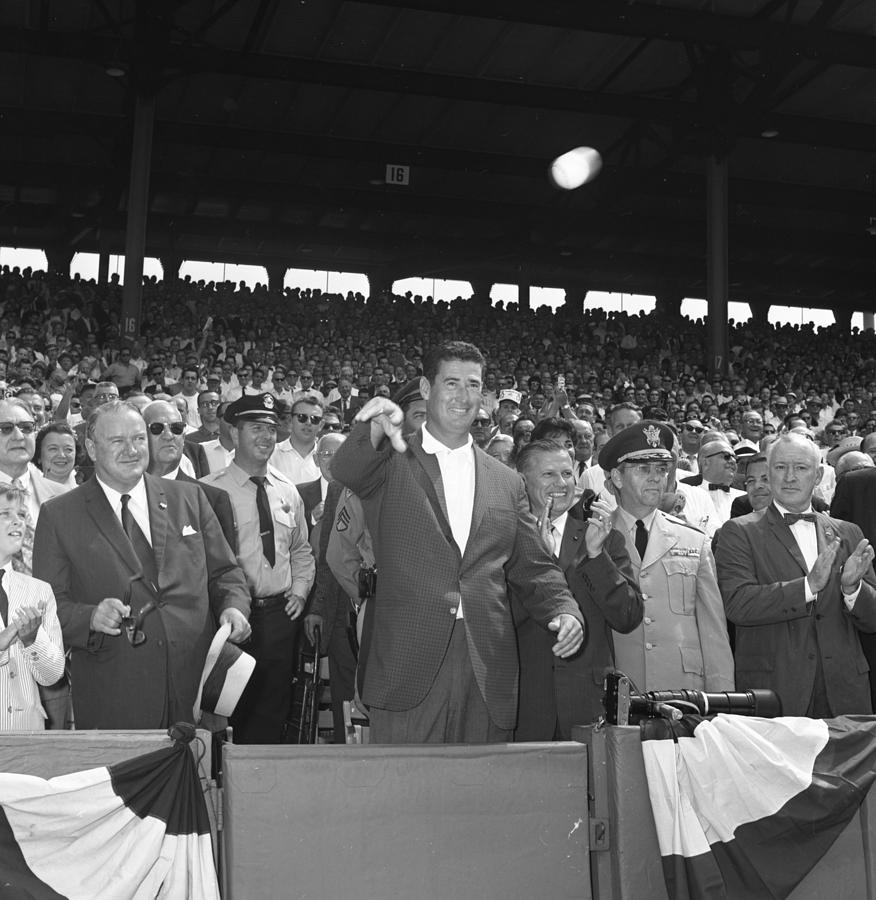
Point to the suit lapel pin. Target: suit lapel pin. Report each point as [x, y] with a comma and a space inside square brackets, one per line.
[162, 505]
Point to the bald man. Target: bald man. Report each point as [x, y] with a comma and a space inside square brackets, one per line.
[166, 436]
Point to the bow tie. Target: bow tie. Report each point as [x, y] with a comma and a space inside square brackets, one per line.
[720, 487]
[791, 518]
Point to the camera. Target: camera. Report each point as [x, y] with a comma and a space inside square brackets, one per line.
[623, 707]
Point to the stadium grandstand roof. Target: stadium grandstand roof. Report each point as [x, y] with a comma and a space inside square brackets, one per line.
[276, 120]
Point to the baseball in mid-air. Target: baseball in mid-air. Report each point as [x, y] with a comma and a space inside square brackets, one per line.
[575, 167]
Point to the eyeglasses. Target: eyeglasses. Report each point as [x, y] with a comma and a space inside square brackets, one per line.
[645, 469]
[208, 402]
[725, 456]
[303, 418]
[6, 428]
[157, 428]
[694, 428]
[481, 421]
[133, 625]
[333, 426]
[326, 454]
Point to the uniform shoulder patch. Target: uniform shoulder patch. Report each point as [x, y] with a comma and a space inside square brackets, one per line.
[677, 520]
[343, 522]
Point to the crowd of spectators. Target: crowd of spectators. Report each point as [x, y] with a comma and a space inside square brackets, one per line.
[572, 377]
[54, 329]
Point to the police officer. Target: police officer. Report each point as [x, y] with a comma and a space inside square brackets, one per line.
[276, 558]
[682, 641]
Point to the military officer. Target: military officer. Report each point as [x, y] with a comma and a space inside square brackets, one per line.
[682, 641]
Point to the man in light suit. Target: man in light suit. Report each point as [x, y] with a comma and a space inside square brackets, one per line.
[556, 693]
[682, 641]
[451, 529]
[141, 573]
[799, 585]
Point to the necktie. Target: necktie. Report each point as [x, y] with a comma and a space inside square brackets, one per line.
[791, 518]
[720, 487]
[266, 522]
[138, 540]
[4, 600]
[641, 538]
[555, 541]
[23, 560]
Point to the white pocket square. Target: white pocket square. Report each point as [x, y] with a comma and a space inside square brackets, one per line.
[187, 530]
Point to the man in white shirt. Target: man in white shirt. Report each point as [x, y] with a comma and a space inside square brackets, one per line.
[190, 388]
[799, 586]
[451, 532]
[294, 456]
[718, 466]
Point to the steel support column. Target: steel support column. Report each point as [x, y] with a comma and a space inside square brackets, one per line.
[718, 283]
[138, 211]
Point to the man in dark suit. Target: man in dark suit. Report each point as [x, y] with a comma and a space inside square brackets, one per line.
[855, 501]
[451, 530]
[166, 433]
[556, 693]
[313, 493]
[799, 585]
[347, 404]
[141, 573]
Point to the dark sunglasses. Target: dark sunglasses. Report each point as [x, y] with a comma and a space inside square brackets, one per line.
[133, 625]
[694, 429]
[334, 426]
[157, 428]
[481, 421]
[303, 418]
[6, 428]
[725, 456]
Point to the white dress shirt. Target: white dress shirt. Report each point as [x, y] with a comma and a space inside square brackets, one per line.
[806, 536]
[558, 529]
[457, 467]
[138, 505]
[217, 456]
[297, 468]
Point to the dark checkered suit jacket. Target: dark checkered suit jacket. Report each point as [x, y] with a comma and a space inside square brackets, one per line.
[421, 573]
[556, 693]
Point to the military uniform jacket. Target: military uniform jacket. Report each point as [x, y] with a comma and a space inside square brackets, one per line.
[682, 641]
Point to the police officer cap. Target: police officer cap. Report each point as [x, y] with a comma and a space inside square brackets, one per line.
[258, 408]
[646, 441]
[408, 393]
